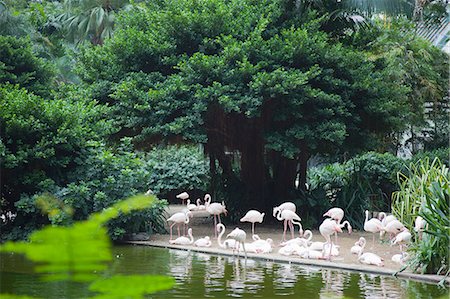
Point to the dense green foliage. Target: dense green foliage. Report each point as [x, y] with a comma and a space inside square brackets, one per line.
[249, 83]
[19, 65]
[425, 192]
[52, 248]
[364, 182]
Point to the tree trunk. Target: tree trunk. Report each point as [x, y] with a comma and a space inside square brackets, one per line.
[303, 160]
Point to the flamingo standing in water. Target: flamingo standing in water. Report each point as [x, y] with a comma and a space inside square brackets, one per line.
[372, 226]
[183, 196]
[239, 236]
[336, 214]
[326, 229]
[215, 209]
[228, 243]
[184, 240]
[290, 218]
[253, 216]
[178, 219]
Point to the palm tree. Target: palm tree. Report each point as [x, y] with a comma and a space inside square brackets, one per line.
[90, 19]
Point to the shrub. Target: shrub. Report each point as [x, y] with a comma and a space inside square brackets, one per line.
[425, 192]
[177, 168]
[106, 176]
[363, 182]
[41, 143]
[19, 65]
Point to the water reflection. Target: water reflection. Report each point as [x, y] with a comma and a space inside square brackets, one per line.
[200, 275]
[333, 283]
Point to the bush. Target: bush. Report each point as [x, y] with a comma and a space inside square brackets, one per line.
[177, 168]
[364, 182]
[41, 143]
[425, 191]
[107, 176]
[19, 65]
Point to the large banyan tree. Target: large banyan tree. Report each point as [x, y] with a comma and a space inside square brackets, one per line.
[262, 90]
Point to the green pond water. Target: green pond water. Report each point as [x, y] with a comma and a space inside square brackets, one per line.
[201, 275]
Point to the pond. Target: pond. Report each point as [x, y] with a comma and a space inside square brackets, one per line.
[200, 275]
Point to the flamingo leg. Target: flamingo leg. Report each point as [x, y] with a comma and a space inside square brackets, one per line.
[218, 216]
[291, 228]
[215, 225]
[253, 228]
[335, 237]
[285, 228]
[178, 229]
[170, 229]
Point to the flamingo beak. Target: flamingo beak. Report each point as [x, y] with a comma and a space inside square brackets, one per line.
[225, 212]
[338, 229]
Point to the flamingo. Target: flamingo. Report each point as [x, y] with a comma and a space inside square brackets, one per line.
[229, 243]
[372, 226]
[307, 253]
[239, 236]
[393, 228]
[203, 242]
[289, 217]
[259, 245]
[199, 205]
[402, 238]
[300, 241]
[385, 219]
[190, 206]
[178, 219]
[336, 214]
[419, 226]
[400, 258]
[356, 249]
[326, 229]
[183, 196]
[369, 258]
[284, 206]
[184, 240]
[253, 216]
[291, 249]
[215, 209]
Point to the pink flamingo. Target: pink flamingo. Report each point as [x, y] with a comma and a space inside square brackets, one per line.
[253, 216]
[183, 240]
[336, 214]
[372, 226]
[183, 196]
[239, 236]
[369, 258]
[393, 228]
[215, 209]
[178, 219]
[290, 218]
[284, 206]
[401, 239]
[326, 229]
[419, 226]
